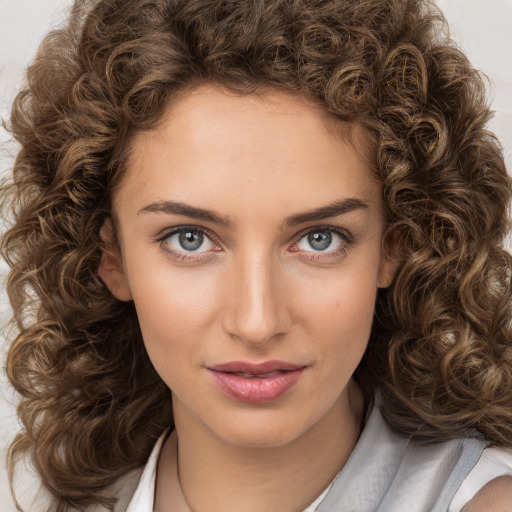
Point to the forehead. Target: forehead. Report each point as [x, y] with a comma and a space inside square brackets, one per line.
[199, 109]
[274, 145]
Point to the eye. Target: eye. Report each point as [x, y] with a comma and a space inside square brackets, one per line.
[322, 240]
[188, 240]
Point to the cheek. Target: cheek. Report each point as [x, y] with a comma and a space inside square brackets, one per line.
[338, 313]
[175, 308]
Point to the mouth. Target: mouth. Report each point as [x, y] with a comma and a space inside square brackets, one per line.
[255, 369]
[256, 383]
[258, 375]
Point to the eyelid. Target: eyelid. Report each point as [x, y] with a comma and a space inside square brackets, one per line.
[185, 256]
[167, 232]
[342, 232]
[324, 257]
[346, 236]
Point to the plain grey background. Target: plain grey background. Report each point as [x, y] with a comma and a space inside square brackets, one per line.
[482, 29]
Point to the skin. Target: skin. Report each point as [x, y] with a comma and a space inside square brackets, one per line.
[256, 290]
[496, 496]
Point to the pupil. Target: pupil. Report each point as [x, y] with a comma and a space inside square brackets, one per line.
[320, 240]
[191, 240]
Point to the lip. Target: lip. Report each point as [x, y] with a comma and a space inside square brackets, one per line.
[256, 383]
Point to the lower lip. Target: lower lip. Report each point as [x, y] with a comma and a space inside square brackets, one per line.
[256, 389]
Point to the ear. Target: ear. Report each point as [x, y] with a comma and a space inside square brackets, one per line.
[111, 268]
[387, 271]
[389, 263]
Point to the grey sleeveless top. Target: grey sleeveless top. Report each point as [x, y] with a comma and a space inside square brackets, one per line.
[389, 473]
[384, 473]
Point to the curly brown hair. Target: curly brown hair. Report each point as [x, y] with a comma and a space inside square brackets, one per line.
[440, 352]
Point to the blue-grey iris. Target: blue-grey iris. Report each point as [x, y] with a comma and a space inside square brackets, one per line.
[320, 240]
[191, 240]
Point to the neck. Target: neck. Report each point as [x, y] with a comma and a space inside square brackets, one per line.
[209, 473]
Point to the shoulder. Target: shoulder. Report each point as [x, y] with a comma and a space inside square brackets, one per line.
[495, 496]
[488, 487]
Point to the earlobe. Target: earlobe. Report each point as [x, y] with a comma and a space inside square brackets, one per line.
[111, 268]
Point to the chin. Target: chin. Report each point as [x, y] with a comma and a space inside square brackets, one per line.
[265, 431]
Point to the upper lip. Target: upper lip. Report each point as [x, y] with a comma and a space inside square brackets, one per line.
[255, 368]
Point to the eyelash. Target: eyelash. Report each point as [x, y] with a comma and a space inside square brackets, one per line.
[346, 241]
[183, 256]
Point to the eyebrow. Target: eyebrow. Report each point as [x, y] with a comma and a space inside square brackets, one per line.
[325, 212]
[171, 207]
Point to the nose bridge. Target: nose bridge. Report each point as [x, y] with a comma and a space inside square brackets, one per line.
[256, 314]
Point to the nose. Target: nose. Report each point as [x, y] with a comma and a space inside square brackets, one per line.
[257, 313]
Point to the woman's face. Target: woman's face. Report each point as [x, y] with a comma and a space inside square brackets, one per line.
[250, 237]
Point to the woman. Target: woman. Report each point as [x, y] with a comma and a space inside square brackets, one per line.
[256, 262]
